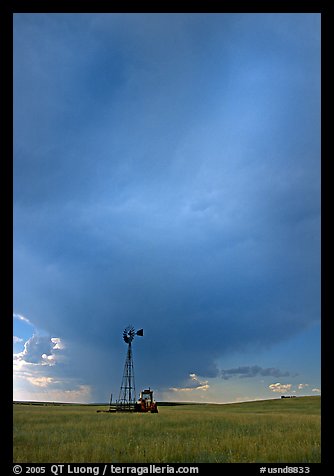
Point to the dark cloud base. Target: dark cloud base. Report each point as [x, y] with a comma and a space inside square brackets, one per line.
[166, 174]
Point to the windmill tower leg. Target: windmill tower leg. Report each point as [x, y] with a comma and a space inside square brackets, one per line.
[127, 394]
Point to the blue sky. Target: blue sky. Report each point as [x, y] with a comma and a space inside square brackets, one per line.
[167, 175]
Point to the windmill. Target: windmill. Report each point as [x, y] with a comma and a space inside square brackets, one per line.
[127, 394]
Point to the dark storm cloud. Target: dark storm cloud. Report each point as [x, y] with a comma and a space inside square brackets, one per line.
[174, 188]
[253, 371]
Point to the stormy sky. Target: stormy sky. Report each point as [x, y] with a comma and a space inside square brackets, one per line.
[166, 175]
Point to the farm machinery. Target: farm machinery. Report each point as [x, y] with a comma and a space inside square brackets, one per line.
[127, 396]
[146, 403]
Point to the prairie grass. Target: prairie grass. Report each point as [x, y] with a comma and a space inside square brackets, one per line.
[272, 431]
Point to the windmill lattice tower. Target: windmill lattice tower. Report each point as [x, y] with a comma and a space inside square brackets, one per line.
[127, 394]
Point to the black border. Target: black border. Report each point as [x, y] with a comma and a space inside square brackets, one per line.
[163, 6]
[6, 201]
[89, 6]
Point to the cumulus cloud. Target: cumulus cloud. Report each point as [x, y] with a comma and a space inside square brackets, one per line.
[39, 350]
[280, 387]
[34, 362]
[49, 359]
[16, 339]
[193, 383]
[40, 373]
[253, 371]
[58, 344]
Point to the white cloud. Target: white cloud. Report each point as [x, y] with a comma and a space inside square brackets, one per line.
[302, 385]
[41, 381]
[189, 389]
[316, 390]
[194, 384]
[58, 343]
[43, 393]
[280, 387]
[16, 339]
[37, 377]
[22, 318]
[39, 350]
[30, 365]
[49, 359]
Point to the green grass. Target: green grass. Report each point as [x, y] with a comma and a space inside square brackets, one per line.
[271, 431]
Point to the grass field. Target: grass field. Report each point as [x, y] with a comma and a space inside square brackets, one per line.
[280, 430]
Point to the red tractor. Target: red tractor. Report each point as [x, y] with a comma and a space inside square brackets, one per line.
[146, 403]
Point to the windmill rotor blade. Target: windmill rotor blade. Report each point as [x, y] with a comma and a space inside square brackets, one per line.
[128, 334]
